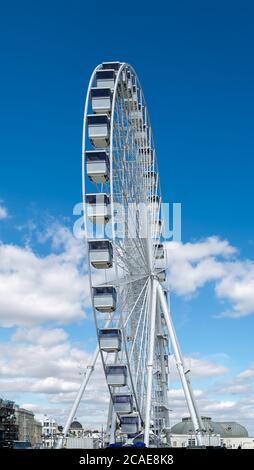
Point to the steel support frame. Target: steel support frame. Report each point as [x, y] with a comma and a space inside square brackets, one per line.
[150, 361]
[78, 398]
[157, 295]
[196, 420]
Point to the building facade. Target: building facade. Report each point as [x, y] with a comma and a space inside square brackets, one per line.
[29, 430]
[8, 423]
[76, 429]
[49, 432]
[18, 425]
[228, 434]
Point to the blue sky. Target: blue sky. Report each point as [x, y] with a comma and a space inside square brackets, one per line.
[195, 63]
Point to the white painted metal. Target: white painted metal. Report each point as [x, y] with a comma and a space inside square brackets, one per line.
[150, 362]
[130, 177]
[78, 398]
[180, 365]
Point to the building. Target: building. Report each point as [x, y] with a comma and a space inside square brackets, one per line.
[8, 424]
[76, 429]
[17, 424]
[49, 432]
[28, 428]
[229, 434]
[37, 434]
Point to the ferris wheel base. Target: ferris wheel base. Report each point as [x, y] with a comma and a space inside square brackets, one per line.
[158, 298]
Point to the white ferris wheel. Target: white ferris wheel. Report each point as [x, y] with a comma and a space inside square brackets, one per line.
[127, 260]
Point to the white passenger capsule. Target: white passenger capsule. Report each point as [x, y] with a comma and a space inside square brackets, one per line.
[137, 117]
[116, 375]
[129, 424]
[156, 229]
[97, 166]
[123, 403]
[98, 130]
[104, 298]
[110, 339]
[151, 179]
[141, 135]
[100, 254]
[154, 203]
[98, 208]
[159, 251]
[111, 65]
[146, 155]
[101, 99]
[105, 78]
[161, 274]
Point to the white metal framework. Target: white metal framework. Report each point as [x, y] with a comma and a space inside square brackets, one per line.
[126, 258]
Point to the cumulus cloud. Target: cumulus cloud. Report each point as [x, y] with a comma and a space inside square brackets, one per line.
[36, 289]
[192, 265]
[237, 286]
[30, 354]
[247, 375]
[220, 405]
[43, 362]
[199, 367]
[45, 337]
[236, 389]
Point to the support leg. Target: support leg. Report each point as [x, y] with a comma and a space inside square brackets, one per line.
[164, 380]
[113, 428]
[76, 403]
[196, 420]
[150, 361]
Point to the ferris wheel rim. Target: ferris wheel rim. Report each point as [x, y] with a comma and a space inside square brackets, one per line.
[122, 66]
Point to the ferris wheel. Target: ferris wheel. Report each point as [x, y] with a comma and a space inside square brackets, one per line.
[126, 259]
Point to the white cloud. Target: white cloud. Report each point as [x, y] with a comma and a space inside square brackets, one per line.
[45, 337]
[199, 367]
[49, 370]
[3, 211]
[204, 368]
[236, 389]
[220, 406]
[246, 375]
[53, 369]
[36, 289]
[177, 393]
[237, 286]
[54, 385]
[38, 358]
[192, 265]
[43, 362]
